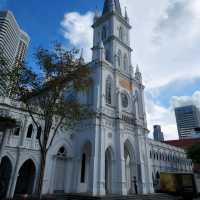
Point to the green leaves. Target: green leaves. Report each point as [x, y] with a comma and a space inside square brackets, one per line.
[194, 153]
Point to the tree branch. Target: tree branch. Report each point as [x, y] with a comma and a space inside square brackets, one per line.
[55, 131]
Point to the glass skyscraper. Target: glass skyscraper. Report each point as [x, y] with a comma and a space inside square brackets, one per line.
[187, 118]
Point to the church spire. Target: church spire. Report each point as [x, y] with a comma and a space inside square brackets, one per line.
[126, 15]
[112, 5]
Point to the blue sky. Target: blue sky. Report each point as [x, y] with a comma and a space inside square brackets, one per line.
[165, 38]
[41, 19]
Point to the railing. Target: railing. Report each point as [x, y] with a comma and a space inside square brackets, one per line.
[30, 144]
[13, 141]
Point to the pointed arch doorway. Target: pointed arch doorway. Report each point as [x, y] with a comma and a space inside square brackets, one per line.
[26, 178]
[131, 177]
[128, 173]
[108, 170]
[59, 174]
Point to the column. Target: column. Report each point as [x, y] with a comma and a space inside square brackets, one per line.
[14, 177]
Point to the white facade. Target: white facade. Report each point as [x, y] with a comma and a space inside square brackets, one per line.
[109, 154]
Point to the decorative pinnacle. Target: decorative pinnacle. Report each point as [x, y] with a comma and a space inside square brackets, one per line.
[101, 45]
[126, 14]
[81, 56]
[96, 14]
[137, 69]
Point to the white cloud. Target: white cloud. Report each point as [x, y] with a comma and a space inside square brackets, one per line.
[77, 30]
[166, 37]
[178, 101]
[166, 41]
[157, 114]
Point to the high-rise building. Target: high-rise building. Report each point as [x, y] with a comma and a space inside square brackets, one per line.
[157, 133]
[13, 42]
[187, 118]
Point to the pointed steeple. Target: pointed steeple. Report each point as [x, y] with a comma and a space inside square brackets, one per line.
[96, 15]
[137, 71]
[138, 74]
[82, 61]
[126, 15]
[101, 51]
[112, 5]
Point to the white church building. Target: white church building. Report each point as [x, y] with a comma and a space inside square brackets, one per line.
[111, 153]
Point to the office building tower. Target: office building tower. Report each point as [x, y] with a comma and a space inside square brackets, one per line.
[13, 43]
[157, 133]
[187, 119]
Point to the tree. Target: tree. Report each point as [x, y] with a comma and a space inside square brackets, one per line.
[3, 70]
[6, 122]
[194, 153]
[50, 96]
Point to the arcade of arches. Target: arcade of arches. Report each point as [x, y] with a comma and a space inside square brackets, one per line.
[25, 181]
[5, 175]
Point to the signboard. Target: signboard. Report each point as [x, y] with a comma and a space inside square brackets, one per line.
[177, 183]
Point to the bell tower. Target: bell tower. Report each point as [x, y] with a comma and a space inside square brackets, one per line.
[113, 30]
[118, 100]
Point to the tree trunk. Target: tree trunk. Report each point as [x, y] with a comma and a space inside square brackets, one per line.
[2, 143]
[41, 175]
[44, 151]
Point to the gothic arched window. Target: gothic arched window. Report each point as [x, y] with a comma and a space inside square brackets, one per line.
[83, 168]
[121, 33]
[124, 99]
[17, 131]
[107, 55]
[125, 62]
[104, 33]
[62, 152]
[109, 90]
[30, 131]
[119, 58]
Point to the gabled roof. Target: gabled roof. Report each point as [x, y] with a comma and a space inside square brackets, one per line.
[110, 4]
[184, 143]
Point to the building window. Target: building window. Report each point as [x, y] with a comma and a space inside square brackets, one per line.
[119, 58]
[124, 99]
[61, 152]
[121, 33]
[30, 131]
[39, 133]
[17, 131]
[83, 168]
[107, 55]
[125, 63]
[109, 90]
[104, 34]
